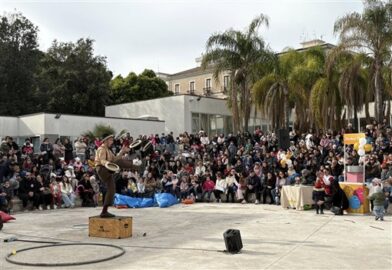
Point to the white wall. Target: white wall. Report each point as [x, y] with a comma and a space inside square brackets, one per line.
[43, 124]
[8, 126]
[169, 109]
[31, 125]
[176, 111]
[72, 125]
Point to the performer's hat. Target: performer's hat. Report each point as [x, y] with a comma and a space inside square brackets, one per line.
[107, 136]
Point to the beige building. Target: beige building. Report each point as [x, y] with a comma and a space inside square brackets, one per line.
[197, 81]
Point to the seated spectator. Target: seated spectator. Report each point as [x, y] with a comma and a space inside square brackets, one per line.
[86, 191]
[121, 180]
[269, 186]
[220, 187]
[242, 186]
[200, 169]
[6, 195]
[150, 187]
[281, 181]
[67, 193]
[56, 191]
[231, 185]
[253, 186]
[208, 187]
[95, 185]
[27, 164]
[28, 191]
[141, 186]
[167, 182]
[44, 193]
[195, 189]
[184, 188]
[372, 169]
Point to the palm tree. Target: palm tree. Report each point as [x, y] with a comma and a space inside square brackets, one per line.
[353, 82]
[370, 32]
[240, 54]
[99, 131]
[271, 92]
[289, 87]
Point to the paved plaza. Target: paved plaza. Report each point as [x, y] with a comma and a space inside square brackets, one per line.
[191, 237]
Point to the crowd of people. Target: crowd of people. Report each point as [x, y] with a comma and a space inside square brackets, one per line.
[226, 168]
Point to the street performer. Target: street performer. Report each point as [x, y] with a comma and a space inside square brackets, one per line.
[103, 158]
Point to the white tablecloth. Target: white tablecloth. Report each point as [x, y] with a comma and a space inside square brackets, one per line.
[296, 196]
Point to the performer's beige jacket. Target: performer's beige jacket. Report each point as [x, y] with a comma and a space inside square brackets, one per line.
[104, 154]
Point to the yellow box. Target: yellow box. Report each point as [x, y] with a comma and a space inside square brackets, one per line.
[357, 194]
[116, 227]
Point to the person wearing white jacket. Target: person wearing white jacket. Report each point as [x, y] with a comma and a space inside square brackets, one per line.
[220, 187]
[67, 193]
[200, 169]
[231, 185]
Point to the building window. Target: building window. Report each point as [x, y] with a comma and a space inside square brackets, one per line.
[176, 89]
[207, 89]
[192, 88]
[208, 83]
[225, 84]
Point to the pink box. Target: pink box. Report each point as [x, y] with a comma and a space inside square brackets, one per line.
[355, 177]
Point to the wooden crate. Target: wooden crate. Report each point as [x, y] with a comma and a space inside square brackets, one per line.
[116, 227]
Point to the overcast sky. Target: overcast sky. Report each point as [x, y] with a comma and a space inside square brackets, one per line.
[167, 36]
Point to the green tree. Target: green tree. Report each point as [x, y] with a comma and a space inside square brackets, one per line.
[73, 80]
[19, 59]
[288, 86]
[240, 54]
[99, 131]
[137, 87]
[370, 32]
[353, 80]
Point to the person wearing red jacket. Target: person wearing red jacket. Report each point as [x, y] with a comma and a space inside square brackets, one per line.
[319, 193]
[208, 188]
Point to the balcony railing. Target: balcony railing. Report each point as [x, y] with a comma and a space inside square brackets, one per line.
[191, 91]
[207, 91]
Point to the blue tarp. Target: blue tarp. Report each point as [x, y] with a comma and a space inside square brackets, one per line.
[133, 202]
[159, 199]
[165, 199]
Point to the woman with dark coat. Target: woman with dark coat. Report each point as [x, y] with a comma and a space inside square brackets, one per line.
[339, 199]
[68, 155]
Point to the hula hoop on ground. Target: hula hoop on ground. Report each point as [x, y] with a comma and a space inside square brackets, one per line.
[10, 255]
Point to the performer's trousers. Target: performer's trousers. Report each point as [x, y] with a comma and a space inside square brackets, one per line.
[107, 177]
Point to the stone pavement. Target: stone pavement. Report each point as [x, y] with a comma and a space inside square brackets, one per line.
[191, 237]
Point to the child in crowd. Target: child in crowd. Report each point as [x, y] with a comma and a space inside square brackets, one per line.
[378, 198]
[319, 193]
[184, 187]
[56, 191]
[140, 186]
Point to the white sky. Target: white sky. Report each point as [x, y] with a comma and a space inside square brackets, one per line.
[166, 35]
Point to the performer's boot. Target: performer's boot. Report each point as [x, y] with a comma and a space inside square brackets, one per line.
[105, 213]
[317, 209]
[322, 209]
